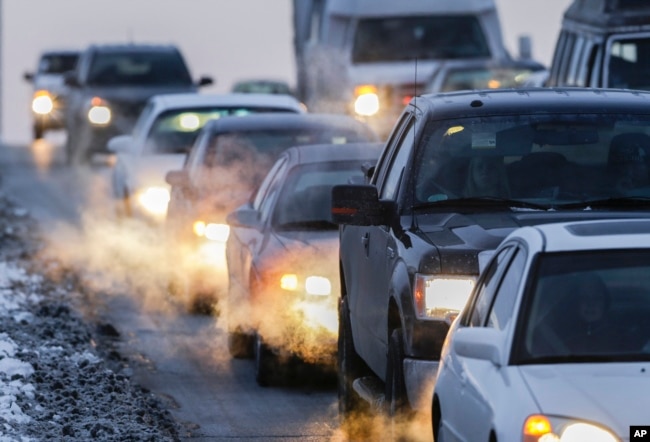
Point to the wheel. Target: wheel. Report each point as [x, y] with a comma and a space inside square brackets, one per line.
[354, 412]
[398, 410]
[240, 345]
[37, 130]
[266, 363]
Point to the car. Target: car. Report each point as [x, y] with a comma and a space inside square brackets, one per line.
[460, 171]
[49, 89]
[111, 85]
[262, 86]
[554, 341]
[161, 138]
[603, 43]
[281, 256]
[454, 75]
[229, 158]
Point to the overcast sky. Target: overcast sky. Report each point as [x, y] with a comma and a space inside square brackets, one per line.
[227, 39]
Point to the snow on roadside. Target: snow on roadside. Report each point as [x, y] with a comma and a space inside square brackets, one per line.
[56, 382]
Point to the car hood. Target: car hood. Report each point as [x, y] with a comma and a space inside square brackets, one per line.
[135, 94]
[307, 249]
[462, 236]
[392, 73]
[150, 170]
[52, 83]
[613, 394]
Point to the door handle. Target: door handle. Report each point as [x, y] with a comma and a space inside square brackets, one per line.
[365, 239]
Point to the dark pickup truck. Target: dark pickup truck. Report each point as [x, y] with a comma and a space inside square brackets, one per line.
[459, 172]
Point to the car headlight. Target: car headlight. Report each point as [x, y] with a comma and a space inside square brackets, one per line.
[366, 102]
[42, 102]
[541, 428]
[311, 285]
[154, 200]
[99, 112]
[211, 231]
[441, 297]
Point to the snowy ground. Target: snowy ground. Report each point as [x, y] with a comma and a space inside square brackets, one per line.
[59, 377]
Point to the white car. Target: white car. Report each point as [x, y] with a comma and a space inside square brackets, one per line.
[553, 344]
[161, 138]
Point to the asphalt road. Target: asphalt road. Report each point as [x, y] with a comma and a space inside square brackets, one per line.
[181, 357]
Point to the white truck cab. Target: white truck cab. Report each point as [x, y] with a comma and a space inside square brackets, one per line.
[603, 43]
[367, 58]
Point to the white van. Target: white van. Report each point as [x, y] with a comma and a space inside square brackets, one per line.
[603, 43]
[369, 57]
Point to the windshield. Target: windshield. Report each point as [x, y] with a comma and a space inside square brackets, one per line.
[306, 195]
[546, 161]
[408, 38]
[175, 131]
[629, 63]
[587, 307]
[57, 63]
[138, 68]
[482, 78]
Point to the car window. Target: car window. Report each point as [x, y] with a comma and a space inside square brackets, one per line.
[398, 162]
[57, 63]
[481, 301]
[628, 62]
[138, 68]
[505, 298]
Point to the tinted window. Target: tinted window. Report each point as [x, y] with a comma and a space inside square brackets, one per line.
[138, 68]
[408, 38]
[628, 65]
[398, 163]
[505, 298]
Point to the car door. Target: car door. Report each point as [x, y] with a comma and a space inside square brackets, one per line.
[479, 383]
[381, 253]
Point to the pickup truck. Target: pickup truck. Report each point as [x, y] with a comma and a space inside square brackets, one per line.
[459, 172]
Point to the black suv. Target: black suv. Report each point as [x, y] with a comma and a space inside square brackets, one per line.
[459, 172]
[111, 85]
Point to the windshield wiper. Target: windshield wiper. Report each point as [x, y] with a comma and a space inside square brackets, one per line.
[610, 203]
[483, 201]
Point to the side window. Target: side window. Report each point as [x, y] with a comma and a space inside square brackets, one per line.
[576, 57]
[567, 57]
[584, 68]
[482, 299]
[398, 162]
[387, 153]
[506, 295]
[557, 58]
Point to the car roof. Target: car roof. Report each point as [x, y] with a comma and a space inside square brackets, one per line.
[616, 15]
[184, 100]
[600, 234]
[318, 153]
[285, 121]
[533, 100]
[132, 47]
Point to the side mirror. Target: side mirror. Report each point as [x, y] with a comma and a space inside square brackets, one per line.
[478, 343]
[177, 178]
[244, 217]
[28, 77]
[205, 81]
[360, 205]
[120, 144]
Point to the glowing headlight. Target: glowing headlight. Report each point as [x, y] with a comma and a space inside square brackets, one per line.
[540, 428]
[99, 112]
[367, 100]
[313, 285]
[154, 200]
[42, 103]
[211, 231]
[438, 297]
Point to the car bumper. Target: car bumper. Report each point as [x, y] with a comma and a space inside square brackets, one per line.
[420, 376]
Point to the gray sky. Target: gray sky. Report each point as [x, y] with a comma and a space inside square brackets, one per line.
[227, 39]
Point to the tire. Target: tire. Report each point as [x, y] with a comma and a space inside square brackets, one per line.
[266, 363]
[240, 345]
[398, 410]
[354, 412]
[37, 130]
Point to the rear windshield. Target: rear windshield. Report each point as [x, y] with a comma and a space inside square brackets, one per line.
[138, 68]
[408, 38]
